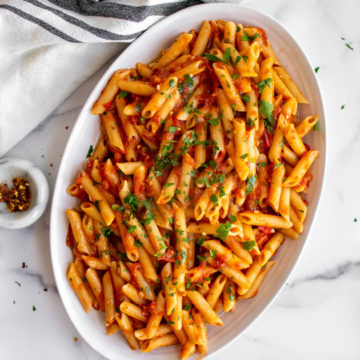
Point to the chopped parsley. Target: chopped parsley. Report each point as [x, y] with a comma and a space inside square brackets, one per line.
[137, 243]
[250, 122]
[168, 185]
[147, 204]
[232, 218]
[214, 121]
[131, 228]
[212, 57]
[117, 207]
[248, 245]
[172, 83]
[133, 201]
[342, 107]
[223, 230]
[355, 219]
[173, 129]
[317, 69]
[261, 85]
[34, 308]
[247, 37]
[123, 94]
[316, 126]
[90, 151]
[213, 253]
[214, 198]
[106, 231]
[266, 110]
[349, 46]
[244, 156]
[187, 306]
[245, 97]
[250, 182]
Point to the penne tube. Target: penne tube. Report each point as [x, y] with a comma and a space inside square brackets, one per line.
[127, 330]
[128, 240]
[161, 341]
[306, 125]
[298, 225]
[174, 50]
[294, 140]
[169, 288]
[202, 39]
[155, 318]
[204, 308]
[289, 156]
[279, 86]
[112, 131]
[108, 94]
[292, 233]
[147, 265]
[138, 231]
[216, 249]
[229, 296]
[228, 86]
[129, 129]
[98, 198]
[136, 87]
[168, 190]
[143, 70]
[229, 33]
[133, 294]
[78, 231]
[259, 219]
[133, 311]
[102, 244]
[109, 300]
[129, 168]
[194, 68]
[79, 288]
[227, 113]
[176, 315]
[200, 149]
[270, 248]
[94, 262]
[258, 281]
[216, 290]
[301, 168]
[167, 87]
[237, 249]
[278, 140]
[100, 151]
[290, 84]
[284, 204]
[187, 168]
[276, 186]
[234, 275]
[163, 329]
[298, 204]
[95, 286]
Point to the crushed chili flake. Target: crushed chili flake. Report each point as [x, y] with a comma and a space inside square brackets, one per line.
[17, 198]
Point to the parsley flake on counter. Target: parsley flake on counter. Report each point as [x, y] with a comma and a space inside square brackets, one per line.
[17, 283]
[342, 107]
[34, 308]
[317, 69]
[355, 219]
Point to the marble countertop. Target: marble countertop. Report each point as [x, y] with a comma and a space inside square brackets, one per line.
[316, 316]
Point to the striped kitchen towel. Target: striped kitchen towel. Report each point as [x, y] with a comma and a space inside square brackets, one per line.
[49, 47]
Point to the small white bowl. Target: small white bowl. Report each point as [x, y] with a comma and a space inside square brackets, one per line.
[10, 168]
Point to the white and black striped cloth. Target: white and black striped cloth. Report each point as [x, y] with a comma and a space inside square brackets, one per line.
[49, 47]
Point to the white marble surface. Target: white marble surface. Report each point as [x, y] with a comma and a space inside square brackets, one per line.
[317, 314]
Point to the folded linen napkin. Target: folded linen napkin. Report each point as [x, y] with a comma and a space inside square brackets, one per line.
[49, 47]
